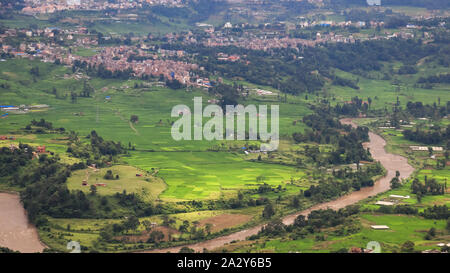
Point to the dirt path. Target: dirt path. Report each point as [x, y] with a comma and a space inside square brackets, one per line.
[391, 163]
[15, 231]
[117, 112]
[134, 129]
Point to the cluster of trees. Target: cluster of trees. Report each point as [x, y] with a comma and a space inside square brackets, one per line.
[174, 84]
[345, 82]
[407, 69]
[315, 221]
[12, 160]
[431, 186]
[395, 181]
[228, 94]
[42, 123]
[327, 129]
[104, 147]
[353, 107]
[436, 212]
[368, 55]
[441, 78]
[133, 202]
[98, 151]
[419, 110]
[433, 136]
[400, 209]
[101, 71]
[110, 176]
[46, 192]
[43, 127]
[355, 180]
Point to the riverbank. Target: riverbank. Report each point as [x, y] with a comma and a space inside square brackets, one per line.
[391, 162]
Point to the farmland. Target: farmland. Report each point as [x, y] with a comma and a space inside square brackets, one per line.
[154, 148]
[87, 133]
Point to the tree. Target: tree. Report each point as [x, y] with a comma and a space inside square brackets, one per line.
[147, 224]
[208, 227]
[108, 175]
[186, 250]
[132, 223]
[269, 210]
[408, 247]
[134, 118]
[395, 183]
[296, 202]
[184, 227]
[35, 71]
[73, 97]
[167, 221]
[93, 189]
[156, 236]
[106, 234]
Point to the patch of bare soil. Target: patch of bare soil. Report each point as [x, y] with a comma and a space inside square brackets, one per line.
[223, 221]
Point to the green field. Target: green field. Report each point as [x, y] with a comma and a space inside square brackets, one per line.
[189, 169]
[402, 229]
[208, 175]
[384, 93]
[147, 186]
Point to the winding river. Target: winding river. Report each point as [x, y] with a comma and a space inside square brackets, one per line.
[391, 162]
[17, 234]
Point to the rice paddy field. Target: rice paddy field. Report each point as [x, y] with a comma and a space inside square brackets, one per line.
[190, 170]
[210, 175]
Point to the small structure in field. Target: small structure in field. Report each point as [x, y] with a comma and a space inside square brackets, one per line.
[84, 183]
[399, 196]
[384, 203]
[425, 148]
[379, 227]
[138, 174]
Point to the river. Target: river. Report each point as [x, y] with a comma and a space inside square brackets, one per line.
[15, 231]
[391, 162]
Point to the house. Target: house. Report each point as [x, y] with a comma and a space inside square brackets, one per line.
[138, 174]
[41, 149]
